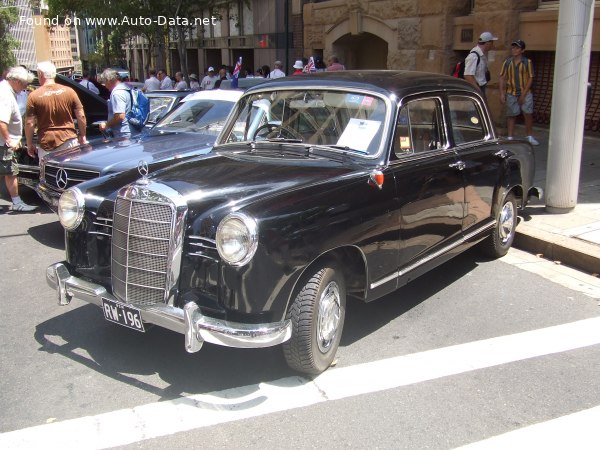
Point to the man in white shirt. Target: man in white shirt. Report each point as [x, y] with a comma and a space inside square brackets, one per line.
[152, 83]
[11, 130]
[208, 82]
[86, 83]
[180, 83]
[277, 72]
[476, 63]
[165, 82]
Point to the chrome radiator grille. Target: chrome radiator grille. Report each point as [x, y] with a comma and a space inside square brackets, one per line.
[64, 178]
[141, 250]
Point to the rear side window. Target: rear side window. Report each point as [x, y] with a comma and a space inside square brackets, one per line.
[419, 128]
[467, 123]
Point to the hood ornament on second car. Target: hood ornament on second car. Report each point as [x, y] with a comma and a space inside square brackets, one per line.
[143, 171]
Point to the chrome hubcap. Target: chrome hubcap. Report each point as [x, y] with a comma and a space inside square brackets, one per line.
[507, 221]
[329, 316]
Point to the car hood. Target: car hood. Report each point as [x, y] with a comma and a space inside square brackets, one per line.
[230, 177]
[120, 155]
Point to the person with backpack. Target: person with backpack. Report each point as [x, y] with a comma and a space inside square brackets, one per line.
[516, 79]
[119, 105]
[476, 63]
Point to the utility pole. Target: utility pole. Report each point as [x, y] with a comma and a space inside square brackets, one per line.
[573, 49]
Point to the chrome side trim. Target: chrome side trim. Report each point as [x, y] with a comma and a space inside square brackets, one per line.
[432, 256]
[189, 321]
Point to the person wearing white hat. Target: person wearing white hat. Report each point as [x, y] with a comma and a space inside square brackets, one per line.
[476, 63]
[194, 85]
[298, 67]
[208, 82]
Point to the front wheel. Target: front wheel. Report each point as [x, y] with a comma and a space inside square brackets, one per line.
[317, 317]
[503, 235]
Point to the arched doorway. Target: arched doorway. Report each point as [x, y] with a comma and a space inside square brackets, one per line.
[361, 51]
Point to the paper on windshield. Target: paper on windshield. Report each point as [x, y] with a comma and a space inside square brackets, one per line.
[359, 133]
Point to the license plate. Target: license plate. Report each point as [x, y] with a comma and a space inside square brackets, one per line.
[122, 314]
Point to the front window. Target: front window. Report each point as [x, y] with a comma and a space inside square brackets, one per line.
[348, 121]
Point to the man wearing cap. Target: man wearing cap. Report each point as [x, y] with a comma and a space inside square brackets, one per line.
[516, 78]
[277, 72]
[208, 82]
[476, 63]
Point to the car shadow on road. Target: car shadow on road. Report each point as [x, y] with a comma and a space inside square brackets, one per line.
[49, 234]
[362, 319]
[82, 335]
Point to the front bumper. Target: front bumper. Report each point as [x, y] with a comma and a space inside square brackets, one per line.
[48, 195]
[188, 321]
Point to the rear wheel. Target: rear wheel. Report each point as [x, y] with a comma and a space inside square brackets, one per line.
[317, 317]
[503, 235]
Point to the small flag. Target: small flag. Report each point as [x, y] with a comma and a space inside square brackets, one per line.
[236, 73]
[310, 67]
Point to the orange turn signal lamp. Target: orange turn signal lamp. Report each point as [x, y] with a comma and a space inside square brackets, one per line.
[376, 178]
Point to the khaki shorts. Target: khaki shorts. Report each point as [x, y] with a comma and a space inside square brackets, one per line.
[8, 165]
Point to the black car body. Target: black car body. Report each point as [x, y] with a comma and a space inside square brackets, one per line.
[354, 184]
[185, 132]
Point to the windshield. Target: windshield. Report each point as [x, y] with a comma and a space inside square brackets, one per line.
[205, 116]
[347, 120]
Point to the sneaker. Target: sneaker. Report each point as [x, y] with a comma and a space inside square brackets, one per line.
[23, 207]
[532, 140]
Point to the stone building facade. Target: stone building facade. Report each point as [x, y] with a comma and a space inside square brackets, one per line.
[433, 35]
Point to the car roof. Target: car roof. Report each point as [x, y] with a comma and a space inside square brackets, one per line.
[387, 82]
[215, 94]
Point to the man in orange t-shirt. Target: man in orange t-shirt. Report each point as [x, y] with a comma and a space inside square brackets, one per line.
[53, 107]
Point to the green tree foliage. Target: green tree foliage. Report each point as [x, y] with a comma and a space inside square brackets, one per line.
[157, 33]
[8, 16]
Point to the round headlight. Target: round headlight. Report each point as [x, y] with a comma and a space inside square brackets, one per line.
[70, 208]
[237, 239]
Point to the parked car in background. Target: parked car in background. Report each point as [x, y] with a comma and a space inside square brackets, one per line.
[352, 184]
[96, 110]
[187, 131]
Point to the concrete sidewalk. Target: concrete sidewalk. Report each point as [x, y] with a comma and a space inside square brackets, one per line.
[572, 239]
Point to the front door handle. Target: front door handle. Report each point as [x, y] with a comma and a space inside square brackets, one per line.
[501, 154]
[460, 165]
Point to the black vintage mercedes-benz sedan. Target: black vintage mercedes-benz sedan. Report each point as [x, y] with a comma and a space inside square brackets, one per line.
[319, 187]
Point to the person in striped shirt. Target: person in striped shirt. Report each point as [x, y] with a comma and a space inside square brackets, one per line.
[516, 78]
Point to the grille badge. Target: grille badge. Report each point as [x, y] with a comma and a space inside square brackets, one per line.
[62, 179]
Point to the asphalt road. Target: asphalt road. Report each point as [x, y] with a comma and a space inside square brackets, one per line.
[411, 373]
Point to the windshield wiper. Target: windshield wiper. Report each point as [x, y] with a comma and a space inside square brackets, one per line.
[346, 148]
[280, 139]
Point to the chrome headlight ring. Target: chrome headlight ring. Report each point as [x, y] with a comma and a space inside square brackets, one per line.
[237, 239]
[71, 206]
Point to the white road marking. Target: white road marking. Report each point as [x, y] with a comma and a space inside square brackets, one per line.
[165, 418]
[578, 430]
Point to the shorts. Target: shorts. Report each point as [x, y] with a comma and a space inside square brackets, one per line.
[514, 109]
[8, 165]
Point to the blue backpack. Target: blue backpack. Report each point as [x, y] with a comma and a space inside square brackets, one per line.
[140, 109]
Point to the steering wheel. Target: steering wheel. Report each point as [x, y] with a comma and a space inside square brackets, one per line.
[280, 129]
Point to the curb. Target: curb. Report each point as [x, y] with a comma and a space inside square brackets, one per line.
[566, 250]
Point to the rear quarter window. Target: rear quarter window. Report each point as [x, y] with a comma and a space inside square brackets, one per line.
[466, 120]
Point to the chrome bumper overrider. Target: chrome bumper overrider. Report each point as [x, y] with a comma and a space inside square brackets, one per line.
[189, 321]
